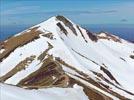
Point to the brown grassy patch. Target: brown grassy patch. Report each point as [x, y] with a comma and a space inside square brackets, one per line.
[44, 76]
[12, 43]
[42, 55]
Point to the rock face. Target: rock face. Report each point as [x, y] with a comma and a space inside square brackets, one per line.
[59, 53]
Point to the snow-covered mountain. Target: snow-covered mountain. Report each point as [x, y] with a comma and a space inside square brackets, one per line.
[58, 55]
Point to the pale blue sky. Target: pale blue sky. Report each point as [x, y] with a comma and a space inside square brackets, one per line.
[30, 12]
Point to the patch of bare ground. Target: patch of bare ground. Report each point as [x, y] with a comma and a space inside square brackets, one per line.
[19, 67]
[67, 23]
[12, 43]
[48, 35]
[50, 74]
[42, 55]
[63, 81]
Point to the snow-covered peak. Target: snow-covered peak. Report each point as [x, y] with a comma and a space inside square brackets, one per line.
[60, 24]
[59, 53]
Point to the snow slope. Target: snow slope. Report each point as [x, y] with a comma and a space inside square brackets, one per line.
[16, 93]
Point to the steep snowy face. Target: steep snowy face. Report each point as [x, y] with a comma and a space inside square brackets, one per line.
[59, 53]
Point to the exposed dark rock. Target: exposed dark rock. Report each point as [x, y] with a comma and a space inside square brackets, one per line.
[122, 59]
[62, 28]
[131, 56]
[81, 33]
[108, 74]
[67, 23]
[48, 35]
[92, 36]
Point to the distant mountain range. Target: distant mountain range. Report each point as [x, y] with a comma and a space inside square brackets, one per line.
[125, 31]
[59, 60]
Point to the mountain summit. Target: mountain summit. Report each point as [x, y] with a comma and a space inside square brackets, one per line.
[59, 53]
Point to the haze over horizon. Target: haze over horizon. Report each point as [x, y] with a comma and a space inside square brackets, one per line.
[30, 12]
[107, 15]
